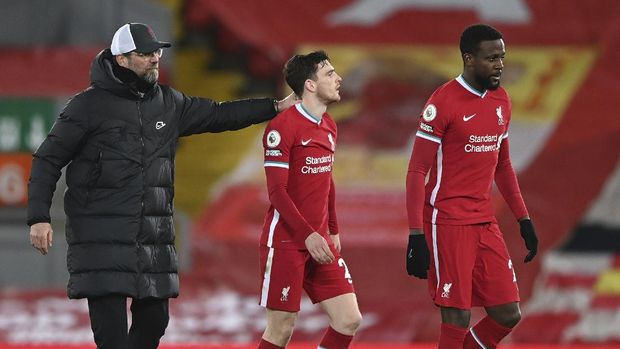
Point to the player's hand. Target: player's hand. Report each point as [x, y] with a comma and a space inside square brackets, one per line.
[41, 236]
[288, 101]
[318, 248]
[336, 240]
[528, 233]
[418, 257]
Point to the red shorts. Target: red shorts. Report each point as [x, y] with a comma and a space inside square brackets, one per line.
[285, 272]
[470, 266]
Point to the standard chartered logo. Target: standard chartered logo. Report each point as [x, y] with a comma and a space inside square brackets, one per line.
[318, 165]
[480, 144]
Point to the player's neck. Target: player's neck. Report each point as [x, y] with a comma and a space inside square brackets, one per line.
[314, 107]
[472, 83]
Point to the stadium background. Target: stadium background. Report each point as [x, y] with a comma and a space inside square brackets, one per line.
[561, 72]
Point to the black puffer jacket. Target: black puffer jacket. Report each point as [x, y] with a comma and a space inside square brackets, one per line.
[120, 145]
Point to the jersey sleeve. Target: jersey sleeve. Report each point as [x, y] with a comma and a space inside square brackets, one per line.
[277, 142]
[332, 219]
[506, 178]
[432, 126]
[421, 161]
[331, 204]
[434, 120]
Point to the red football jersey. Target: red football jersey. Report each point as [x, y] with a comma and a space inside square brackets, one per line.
[299, 156]
[469, 128]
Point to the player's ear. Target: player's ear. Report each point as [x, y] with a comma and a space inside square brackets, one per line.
[310, 85]
[468, 59]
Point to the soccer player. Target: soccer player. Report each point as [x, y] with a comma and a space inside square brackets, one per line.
[462, 138]
[300, 245]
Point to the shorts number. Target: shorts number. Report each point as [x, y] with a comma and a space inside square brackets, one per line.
[347, 275]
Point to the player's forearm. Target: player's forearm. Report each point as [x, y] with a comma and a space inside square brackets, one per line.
[283, 203]
[506, 180]
[415, 199]
[333, 219]
[419, 165]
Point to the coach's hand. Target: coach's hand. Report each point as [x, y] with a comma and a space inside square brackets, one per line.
[41, 236]
[287, 102]
[319, 249]
[528, 233]
[418, 258]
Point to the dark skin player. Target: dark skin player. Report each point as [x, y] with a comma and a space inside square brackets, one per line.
[483, 71]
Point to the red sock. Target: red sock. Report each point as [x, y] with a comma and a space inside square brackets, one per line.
[488, 332]
[334, 340]
[451, 337]
[266, 345]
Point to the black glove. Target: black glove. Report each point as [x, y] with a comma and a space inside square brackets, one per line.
[528, 233]
[418, 258]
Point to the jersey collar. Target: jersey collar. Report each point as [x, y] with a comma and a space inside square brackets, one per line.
[464, 83]
[306, 114]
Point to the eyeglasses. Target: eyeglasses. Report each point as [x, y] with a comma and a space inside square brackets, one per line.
[158, 53]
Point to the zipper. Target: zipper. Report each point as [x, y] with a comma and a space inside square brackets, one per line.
[94, 174]
[138, 245]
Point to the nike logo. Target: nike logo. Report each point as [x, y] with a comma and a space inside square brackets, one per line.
[467, 118]
[305, 142]
[410, 253]
[159, 125]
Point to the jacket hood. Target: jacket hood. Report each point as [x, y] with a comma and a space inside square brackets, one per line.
[106, 74]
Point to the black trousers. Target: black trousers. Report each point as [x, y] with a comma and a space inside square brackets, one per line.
[108, 319]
